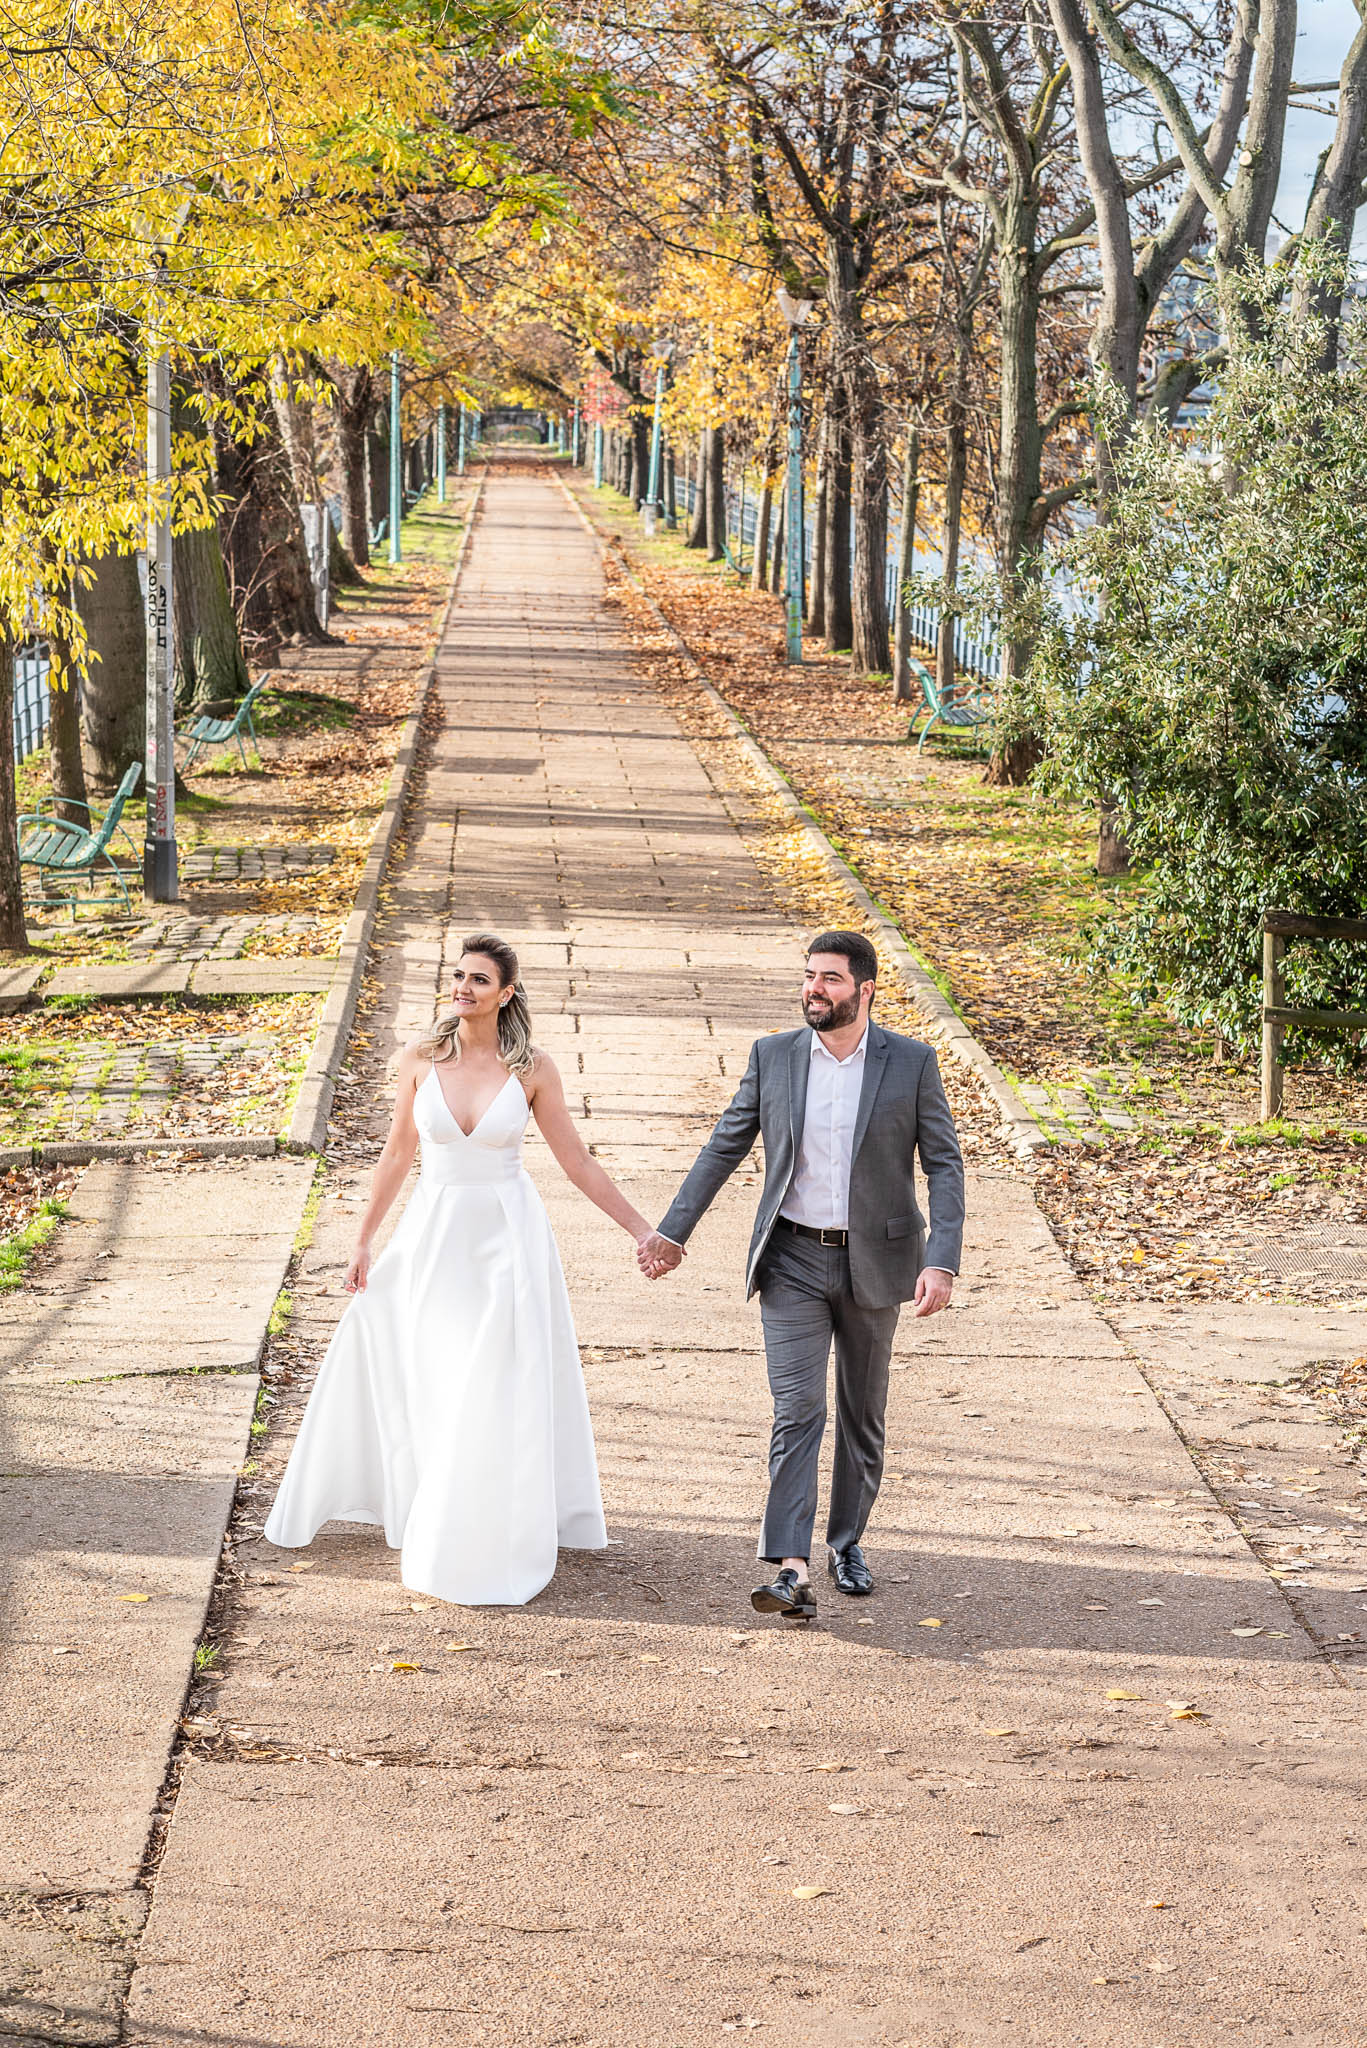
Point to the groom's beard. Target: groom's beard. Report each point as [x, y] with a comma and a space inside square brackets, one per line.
[827, 1016]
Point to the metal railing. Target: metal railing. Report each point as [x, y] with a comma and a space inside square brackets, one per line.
[32, 708]
[973, 655]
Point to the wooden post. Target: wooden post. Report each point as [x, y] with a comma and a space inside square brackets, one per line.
[906, 568]
[1274, 998]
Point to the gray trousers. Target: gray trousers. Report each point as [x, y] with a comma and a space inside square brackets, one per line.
[806, 1301]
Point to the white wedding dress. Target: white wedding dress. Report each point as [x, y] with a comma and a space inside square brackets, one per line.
[450, 1407]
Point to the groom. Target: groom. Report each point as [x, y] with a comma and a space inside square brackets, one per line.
[838, 1245]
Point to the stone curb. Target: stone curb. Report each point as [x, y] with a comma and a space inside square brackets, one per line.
[313, 1104]
[81, 1152]
[1024, 1132]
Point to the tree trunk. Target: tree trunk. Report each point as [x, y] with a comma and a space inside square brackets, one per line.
[114, 682]
[759, 567]
[816, 588]
[294, 422]
[697, 523]
[210, 665]
[716, 494]
[956, 471]
[671, 493]
[1018, 465]
[839, 625]
[906, 568]
[264, 549]
[13, 933]
[376, 480]
[341, 568]
[764, 510]
[1112, 847]
[639, 482]
[778, 580]
[64, 747]
[355, 396]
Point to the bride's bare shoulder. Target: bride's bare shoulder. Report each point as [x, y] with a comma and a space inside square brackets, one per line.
[413, 1057]
[543, 1069]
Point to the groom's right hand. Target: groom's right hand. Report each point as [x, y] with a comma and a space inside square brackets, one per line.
[656, 1255]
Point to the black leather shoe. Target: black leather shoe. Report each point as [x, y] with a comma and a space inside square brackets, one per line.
[787, 1595]
[849, 1569]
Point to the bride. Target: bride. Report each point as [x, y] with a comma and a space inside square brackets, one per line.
[450, 1407]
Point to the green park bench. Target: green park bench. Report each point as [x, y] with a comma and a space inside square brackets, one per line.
[216, 732]
[959, 710]
[60, 849]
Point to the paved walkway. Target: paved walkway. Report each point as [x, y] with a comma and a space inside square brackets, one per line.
[127, 1386]
[586, 1821]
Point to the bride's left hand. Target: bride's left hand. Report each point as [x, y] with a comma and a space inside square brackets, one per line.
[358, 1272]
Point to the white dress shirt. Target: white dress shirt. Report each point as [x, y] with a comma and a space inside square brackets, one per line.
[819, 1194]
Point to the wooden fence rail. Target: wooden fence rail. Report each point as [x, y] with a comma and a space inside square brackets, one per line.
[1278, 927]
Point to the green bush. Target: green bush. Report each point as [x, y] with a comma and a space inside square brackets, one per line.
[1215, 685]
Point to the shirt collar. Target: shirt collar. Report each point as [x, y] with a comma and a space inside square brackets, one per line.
[817, 1046]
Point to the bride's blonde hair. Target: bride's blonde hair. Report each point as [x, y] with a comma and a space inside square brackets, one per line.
[515, 1047]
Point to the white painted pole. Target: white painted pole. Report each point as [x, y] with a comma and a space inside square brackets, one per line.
[159, 877]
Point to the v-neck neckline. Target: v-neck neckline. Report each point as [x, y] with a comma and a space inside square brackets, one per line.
[480, 1119]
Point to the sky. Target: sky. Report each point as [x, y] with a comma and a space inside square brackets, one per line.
[1327, 27]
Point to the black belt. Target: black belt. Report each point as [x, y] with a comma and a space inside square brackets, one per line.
[833, 1237]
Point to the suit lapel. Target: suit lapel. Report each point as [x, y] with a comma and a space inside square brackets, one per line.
[875, 1059]
[799, 1068]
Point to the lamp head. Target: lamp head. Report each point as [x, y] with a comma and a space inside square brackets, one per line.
[795, 311]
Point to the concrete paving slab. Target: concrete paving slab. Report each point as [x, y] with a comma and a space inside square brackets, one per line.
[17, 985]
[263, 977]
[118, 981]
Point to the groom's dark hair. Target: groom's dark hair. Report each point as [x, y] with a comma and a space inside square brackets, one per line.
[854, 947]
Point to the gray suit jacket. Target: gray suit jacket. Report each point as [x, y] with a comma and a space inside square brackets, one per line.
[902, 1110]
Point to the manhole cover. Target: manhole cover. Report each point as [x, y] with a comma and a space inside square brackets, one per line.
[1324, 1252]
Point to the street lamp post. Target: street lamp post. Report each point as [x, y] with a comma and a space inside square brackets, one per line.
[395, 461]
[460, 440]
[441, 451]
[650, 509]
[598, 457]
[159, 878]
[574, 437]
[795, 313]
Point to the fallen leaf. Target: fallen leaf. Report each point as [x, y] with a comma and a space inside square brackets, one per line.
[1186, 1714]
[811, 1891]
[1116, 1694]
[399, 1664]
[1246, 1631]
[137, 1598]
[1032, 1941]
[414, 1606]
[1000, 1731]
[463, 1646]
[1152, 1603]
[650, 1658]
[930, 1622]
[841, 1807]
[64, 1650]
[303, 1567]
[1159, 1905]
[831, 1767]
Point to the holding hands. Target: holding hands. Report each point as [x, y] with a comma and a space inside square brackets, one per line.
[656, 1255]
